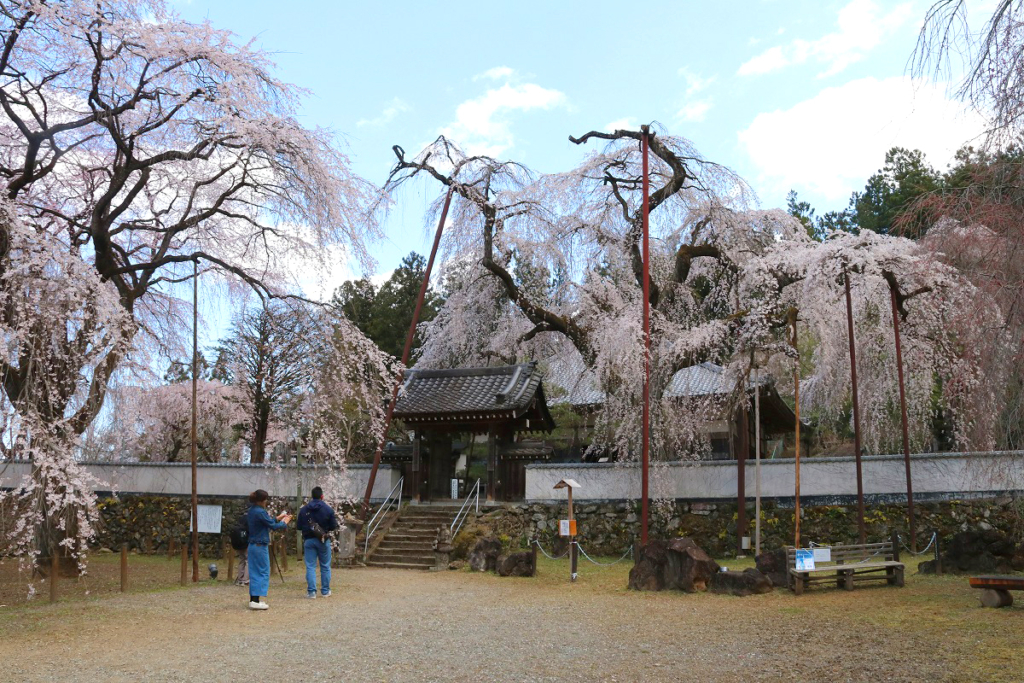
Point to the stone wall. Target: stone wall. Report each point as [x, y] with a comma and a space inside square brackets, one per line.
[610, 528]
[148, 523]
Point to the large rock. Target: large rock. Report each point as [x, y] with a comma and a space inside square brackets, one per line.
[677, 564]
[977, 551]
[773, 564]
[747, 582]
[517, 564]
[484, 555]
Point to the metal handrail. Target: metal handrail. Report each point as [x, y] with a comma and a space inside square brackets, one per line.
[372, 525]
[460, 517]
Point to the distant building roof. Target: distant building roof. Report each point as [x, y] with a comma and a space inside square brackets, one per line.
[573, 383]
[475, 396]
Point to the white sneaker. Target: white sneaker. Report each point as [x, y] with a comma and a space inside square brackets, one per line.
[258, 605]
[311, 596]
[327, 594]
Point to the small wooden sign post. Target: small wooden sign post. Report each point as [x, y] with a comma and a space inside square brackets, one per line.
[124, 567]
[568, 528]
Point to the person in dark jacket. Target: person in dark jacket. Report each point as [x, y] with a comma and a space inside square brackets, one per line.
[315, 550]
[260, 524]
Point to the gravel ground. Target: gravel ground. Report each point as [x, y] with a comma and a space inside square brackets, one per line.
[393, 625]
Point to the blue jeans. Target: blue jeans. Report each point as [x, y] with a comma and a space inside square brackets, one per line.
[317, 551]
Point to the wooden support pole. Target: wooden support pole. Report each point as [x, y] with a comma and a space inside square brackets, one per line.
[903, 417]
[573, 552]
[856, 410]
[646, 417]
[184, 564]
[796, 403]
[741, 477]
[54, 572]
[195, 371]
[406, 353]
[124, 567]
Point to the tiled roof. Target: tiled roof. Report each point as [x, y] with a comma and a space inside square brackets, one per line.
[573, 383]
[509, 389]
[705, 379]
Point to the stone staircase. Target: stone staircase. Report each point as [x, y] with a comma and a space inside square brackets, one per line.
[407, 544]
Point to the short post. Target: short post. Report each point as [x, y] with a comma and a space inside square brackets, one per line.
[184, 565]
[54, 572]
[231, 565]
[124, 567]
[938, 554]
[273, 558]
[570, 531]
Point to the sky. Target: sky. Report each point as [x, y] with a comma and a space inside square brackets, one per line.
[791, 94]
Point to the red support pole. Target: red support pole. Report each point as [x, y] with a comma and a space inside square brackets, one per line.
[796, 410]
[856, 411]
[646, 449]
[405, 354]
[195, 371]
[903, 417]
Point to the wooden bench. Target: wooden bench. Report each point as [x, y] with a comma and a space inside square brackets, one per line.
[996, 589]
[849, 564]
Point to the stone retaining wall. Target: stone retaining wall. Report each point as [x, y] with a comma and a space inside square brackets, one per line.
[148, 523]
[610, 528]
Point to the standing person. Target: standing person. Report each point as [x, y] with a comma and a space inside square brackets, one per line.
[260, 524]
[240, 544]
[316, 520]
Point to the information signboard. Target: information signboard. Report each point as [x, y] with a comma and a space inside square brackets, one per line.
[209, 519]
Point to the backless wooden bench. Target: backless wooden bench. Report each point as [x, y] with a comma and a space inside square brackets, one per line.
[996, 589]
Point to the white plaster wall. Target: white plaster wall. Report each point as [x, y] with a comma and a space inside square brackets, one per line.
[217, 480]
[931, 473]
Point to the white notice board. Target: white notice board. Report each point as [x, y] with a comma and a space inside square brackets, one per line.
[209, 519]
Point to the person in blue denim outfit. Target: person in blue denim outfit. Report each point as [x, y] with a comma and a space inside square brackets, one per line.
[316, 551]
[260, 524]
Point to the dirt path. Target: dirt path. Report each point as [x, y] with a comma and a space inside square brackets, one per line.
[393, 625]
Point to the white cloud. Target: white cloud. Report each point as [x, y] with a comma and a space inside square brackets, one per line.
[496, 74]
[625, 123]
[482, 124]
[694, 112]
[393, 109]
[695, 83]
[832, 142]
[861, 25]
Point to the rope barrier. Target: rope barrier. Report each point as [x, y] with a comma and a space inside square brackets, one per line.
[903, 543]
[545, 553]
[629, 551]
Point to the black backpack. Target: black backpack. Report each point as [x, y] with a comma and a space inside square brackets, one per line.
[240, 534]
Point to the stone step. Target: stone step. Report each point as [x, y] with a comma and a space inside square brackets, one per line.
[401, 553]
[405, 543]
[399, 565]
